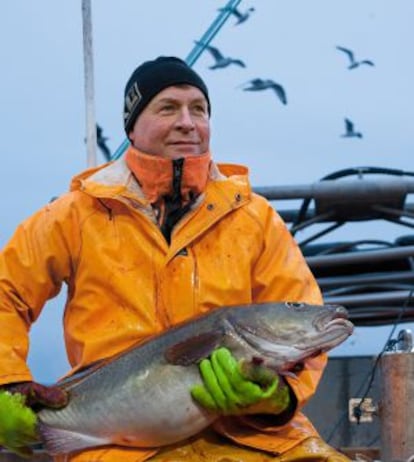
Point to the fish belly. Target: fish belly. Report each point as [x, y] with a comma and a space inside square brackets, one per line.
[151, 409]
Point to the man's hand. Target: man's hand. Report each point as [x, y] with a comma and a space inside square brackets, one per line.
[231, 388]
[17, 418]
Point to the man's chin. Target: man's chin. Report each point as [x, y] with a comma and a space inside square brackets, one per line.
[183, 151]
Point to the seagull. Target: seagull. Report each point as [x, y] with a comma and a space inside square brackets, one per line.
[101, 142]
[260, 84]
[241, 17]
[221, 61]
[352, 63]
[350, 132]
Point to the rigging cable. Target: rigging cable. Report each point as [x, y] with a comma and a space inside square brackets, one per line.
[389, 344]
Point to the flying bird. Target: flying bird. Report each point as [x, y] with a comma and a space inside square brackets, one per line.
[352, 62]
[350, 131]
[101, 142]
[241, 17]
[260, 84]
[221, 61]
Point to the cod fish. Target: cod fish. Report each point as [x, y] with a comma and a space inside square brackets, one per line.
[141, 397]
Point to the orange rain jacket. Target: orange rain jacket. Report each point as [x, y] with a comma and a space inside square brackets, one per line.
[125, 283]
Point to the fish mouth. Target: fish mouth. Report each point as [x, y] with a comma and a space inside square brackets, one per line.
[340, 322]
[330, 330]
[333, 333]
[326, 335]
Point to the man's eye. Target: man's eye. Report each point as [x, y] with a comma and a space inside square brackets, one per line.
[167, 107]
[200, 109]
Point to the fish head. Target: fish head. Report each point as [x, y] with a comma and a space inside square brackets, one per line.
[282, 335]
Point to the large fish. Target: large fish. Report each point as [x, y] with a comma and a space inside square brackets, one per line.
[141, 397]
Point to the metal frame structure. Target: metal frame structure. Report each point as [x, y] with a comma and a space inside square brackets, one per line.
[372, 278]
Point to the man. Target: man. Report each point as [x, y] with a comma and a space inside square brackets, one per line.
[155, 238]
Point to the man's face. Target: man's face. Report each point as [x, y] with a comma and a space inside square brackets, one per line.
[174, 124]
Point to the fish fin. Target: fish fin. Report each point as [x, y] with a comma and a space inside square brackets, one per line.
[193, 349]
[60, 441]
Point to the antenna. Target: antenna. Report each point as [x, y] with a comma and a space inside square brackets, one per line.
[89, 87]
[208, 36]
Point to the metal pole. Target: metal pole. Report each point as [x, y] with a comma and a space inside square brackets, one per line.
[334, 189]
[89, 87]
[371, 299]
[211, 32]
[396, 408]
[351, 258]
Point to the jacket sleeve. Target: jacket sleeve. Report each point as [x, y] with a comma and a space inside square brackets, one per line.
[33, 266]
[282, 274]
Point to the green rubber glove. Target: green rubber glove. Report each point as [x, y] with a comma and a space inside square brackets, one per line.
[17, 424]
[232, 387]
[18, 420]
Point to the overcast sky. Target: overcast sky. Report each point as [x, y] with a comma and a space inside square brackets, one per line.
[42, 100]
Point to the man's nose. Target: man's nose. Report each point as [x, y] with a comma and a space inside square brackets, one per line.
[185, 119]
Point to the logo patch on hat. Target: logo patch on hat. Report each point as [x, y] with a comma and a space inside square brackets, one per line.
[132, 99]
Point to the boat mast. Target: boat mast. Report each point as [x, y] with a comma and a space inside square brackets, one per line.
[89, 83]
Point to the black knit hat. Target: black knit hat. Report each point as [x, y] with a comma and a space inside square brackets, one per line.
[150, 78]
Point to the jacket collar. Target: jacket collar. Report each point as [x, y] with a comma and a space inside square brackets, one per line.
[115, 180]
[183, 179]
